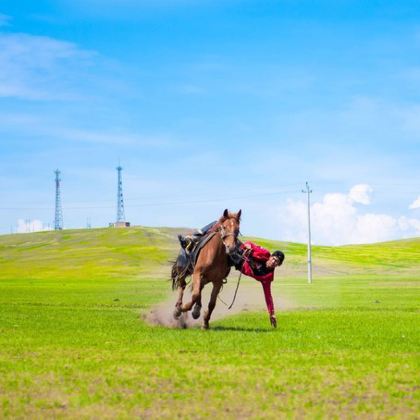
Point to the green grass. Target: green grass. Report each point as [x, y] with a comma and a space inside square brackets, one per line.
[73, 341]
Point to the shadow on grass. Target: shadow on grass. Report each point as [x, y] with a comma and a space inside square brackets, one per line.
[240, 329]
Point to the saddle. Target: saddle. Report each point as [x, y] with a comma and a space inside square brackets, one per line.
[189, 252]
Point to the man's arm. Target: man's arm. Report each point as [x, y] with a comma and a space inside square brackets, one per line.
[269, 302]
[246, 269]
[258, 253]
[268, 297]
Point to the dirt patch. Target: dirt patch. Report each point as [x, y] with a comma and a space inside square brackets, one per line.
[250, 298]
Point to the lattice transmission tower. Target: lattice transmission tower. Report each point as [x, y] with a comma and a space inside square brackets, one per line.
[120, 198]
[58, 219]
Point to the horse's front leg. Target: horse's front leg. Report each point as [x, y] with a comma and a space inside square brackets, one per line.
[212, 304]
[181, 288]
[196, 292]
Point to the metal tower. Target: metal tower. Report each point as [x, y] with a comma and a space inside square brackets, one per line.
[120, 199]
[58, 220]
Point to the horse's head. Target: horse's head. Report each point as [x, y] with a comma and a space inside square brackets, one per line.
[229, 229]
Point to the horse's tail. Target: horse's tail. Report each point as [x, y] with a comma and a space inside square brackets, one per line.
[174, 276]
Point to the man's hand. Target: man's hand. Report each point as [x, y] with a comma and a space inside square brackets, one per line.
[247, 252]
[273, 321]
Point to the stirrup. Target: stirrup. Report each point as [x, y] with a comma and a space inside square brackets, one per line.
[190, 245]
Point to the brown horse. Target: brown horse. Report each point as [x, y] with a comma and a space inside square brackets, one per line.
[212, 266]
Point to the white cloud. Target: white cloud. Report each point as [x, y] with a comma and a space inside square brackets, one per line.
[337, 220]
[415, 204]
[407, 224]
[373, 227]
[119, 138]
[37, 67]
[361, 194]
[35, 125]
[35, 225]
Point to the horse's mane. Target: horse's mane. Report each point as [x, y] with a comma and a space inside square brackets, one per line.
[229, 215]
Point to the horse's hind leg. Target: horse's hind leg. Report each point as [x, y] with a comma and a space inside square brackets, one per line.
[181, 288]
[212, 304]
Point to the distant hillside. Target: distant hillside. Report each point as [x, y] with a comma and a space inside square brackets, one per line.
[84, 253]
[401, 255]
[144, 252]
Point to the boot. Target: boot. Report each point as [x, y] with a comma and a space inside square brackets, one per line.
[183, 241]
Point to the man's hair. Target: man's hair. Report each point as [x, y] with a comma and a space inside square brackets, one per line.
[279, 255]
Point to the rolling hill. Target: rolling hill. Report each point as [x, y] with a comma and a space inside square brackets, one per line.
[102, 253]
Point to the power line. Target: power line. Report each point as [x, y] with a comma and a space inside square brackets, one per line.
[144, 199]
[165, 203]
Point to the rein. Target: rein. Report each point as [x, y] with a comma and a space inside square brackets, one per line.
[236, 290]
[223, 235]
[234, 296]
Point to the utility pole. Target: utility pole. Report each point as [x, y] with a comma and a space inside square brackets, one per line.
[308, 191]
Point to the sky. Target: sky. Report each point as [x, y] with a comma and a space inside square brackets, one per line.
[210, 105]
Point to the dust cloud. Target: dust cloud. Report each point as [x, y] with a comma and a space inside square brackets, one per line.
[250, 298]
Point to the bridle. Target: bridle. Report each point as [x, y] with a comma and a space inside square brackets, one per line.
[224, 234]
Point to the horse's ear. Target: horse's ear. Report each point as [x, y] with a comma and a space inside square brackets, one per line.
[238, 215]
[226, 214]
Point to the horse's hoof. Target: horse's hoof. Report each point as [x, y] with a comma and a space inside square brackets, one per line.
[196, 312]
[177, 312]
[205, 327]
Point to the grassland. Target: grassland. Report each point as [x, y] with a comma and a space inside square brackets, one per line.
[73, 341]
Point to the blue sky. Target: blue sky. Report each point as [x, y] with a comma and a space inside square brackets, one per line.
[213, 104]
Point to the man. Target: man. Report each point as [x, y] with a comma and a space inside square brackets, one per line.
[259, 264]
[186, 258]
[189, 241]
